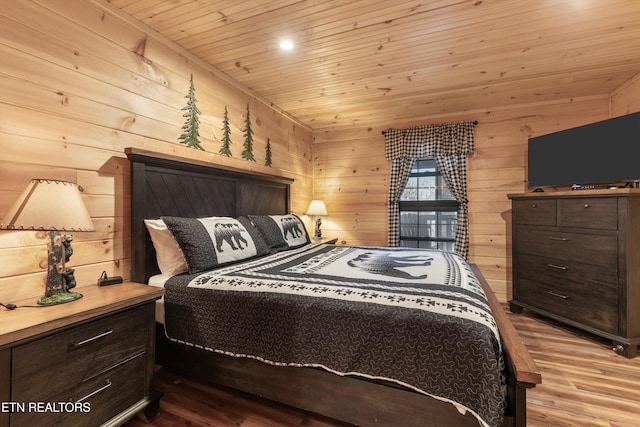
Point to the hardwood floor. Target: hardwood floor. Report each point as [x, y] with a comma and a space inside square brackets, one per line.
[194, 403]
[584, 383]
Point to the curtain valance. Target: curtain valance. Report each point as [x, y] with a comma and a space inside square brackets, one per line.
[430, 140]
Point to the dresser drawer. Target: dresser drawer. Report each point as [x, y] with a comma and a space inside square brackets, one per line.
[593, 213]
[597, 249]
[94, 401]
[49, 366]
[569, 276]
[535, 212]
[568, 303]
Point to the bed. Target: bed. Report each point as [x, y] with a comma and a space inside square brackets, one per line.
[324, 374]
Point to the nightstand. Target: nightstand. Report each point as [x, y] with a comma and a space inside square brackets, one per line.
[327, 240]
[87, 362]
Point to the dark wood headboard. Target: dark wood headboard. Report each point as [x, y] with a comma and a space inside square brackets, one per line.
[166, 185]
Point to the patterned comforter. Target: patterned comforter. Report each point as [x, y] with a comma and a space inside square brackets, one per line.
[417, 318]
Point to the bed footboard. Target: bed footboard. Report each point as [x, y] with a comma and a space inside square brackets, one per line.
[351, 399]
[522, 371]
[348, 399]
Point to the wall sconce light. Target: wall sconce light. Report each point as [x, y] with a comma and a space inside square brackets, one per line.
[318, 210]
[52, 206]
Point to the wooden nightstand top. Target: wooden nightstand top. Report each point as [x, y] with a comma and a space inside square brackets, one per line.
[328, 240]
[27, 322]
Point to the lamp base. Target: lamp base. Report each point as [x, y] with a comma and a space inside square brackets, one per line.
[59, 278]
[59, 298]
[318, 233]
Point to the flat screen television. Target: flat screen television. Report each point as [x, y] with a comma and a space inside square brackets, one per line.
[598, 154]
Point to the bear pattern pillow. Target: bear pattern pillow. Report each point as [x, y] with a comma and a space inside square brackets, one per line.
[209, 242]
[281, 232]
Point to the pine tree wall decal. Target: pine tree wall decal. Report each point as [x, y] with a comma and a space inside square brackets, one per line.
[225, 149]
[267, 161]
[247, 153]
[191, 136]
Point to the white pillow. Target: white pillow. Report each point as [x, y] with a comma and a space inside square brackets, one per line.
[168, 254]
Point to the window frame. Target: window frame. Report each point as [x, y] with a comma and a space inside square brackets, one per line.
[439, 205]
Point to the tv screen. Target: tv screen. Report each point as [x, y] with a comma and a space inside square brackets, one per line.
[602, 153]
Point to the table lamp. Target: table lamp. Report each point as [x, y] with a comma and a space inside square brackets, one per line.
[53, 206]
[318, 210]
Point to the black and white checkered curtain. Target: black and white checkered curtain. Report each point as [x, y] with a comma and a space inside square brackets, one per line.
[400, 171]
[449, 144]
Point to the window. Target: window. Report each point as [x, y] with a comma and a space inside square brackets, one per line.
[428, 210]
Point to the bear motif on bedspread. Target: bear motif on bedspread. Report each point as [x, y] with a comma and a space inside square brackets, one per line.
[388, 265]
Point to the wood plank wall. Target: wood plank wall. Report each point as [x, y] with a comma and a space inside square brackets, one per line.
[77, 86]
[351, 175]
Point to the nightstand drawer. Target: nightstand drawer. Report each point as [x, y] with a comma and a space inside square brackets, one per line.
[535, 212]
[599, 214]
[92, 402]
[49, 366]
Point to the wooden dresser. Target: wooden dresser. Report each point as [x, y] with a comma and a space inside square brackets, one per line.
[86, 363]
[576, 259]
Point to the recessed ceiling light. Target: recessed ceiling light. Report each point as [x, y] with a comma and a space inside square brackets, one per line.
[286, 45]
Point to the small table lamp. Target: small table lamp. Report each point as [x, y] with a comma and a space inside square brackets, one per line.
[52, 206]
[317, 209]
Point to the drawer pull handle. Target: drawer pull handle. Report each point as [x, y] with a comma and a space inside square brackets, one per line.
[88, 340]
[560, 239]
[557, 267]
[93, 393]
[586, 205]
[553, 294]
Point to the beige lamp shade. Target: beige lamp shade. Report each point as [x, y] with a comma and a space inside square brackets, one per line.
[317, 208]
[48, 205]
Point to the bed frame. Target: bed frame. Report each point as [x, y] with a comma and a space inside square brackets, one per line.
[167, 185]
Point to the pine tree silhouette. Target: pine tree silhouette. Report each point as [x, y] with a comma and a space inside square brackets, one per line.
[191, 136]
[267, 161]
[225, 149]
[247, 153]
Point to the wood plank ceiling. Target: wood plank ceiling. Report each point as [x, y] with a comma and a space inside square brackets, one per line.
[372, 62]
